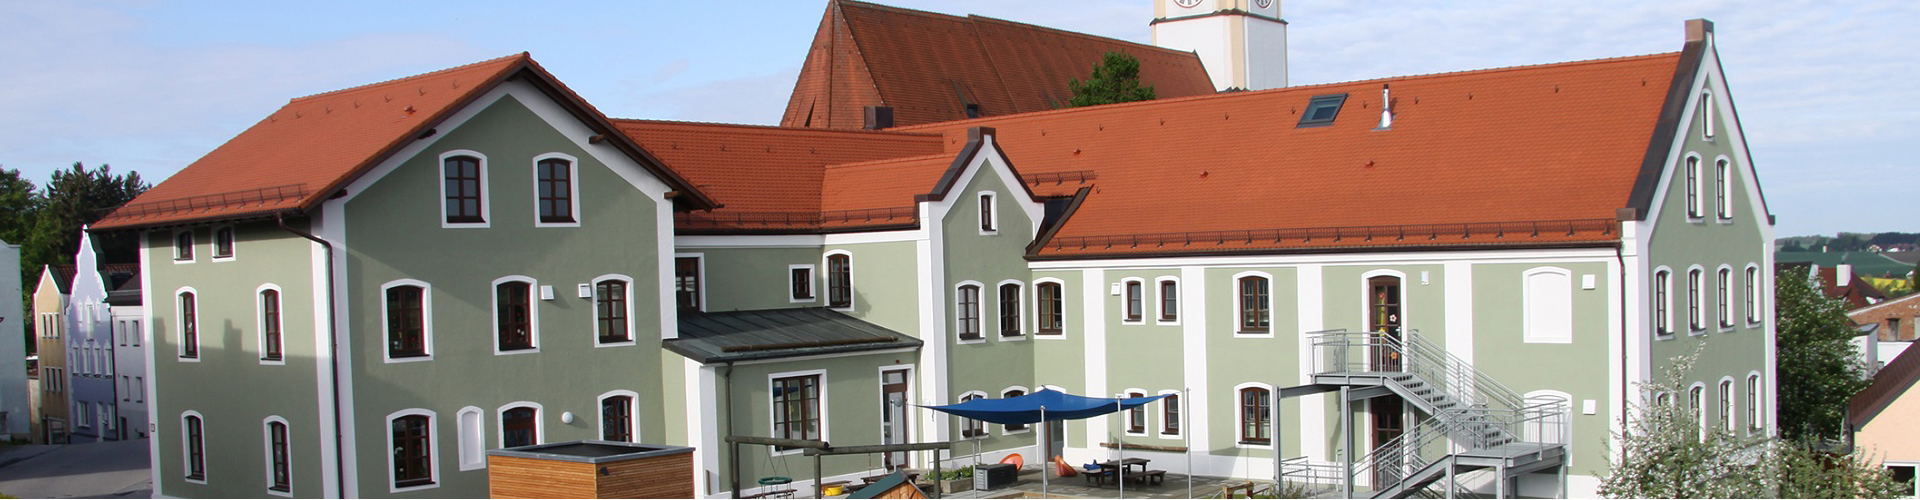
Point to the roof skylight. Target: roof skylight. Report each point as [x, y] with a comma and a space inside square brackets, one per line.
[1321, 110]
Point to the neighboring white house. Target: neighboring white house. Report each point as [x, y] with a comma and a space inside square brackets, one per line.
[14, 407]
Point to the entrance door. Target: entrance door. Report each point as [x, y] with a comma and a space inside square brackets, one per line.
[1384, 319]
[1056, 441]
[893, 415]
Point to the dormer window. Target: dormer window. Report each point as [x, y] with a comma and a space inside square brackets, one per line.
[1322, 110]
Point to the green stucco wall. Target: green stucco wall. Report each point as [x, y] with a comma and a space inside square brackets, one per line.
[996, 362]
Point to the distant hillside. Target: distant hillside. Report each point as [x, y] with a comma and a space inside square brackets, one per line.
[1864, 263]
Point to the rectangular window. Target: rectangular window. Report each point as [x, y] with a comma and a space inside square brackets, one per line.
[223, 242]
[1169, 300]
[412, 452]
[1254, 315]
[1010, 310]
[1050, 308]
[1134, 301]
[1137, 416]
[968, 300]
[796, 408]
[1170, 414]
[1753, 297]
[183, 245]
[686, 283]
[1903, 475]
[277, 449]
[610, 310]
[270, 325]
[1725, 303]
[1695, 317]
[1255, 410]
[462, 189]
[986, 214]
[840, 281]
[1726, 405]
[1693, 188]
[513, 311]
[800, 279]
[519, 426]
[406, 322]
[555, 190]
[189, 327]
[1321, 110]
[616, 419]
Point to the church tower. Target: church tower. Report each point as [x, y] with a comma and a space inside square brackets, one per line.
[1243, 43]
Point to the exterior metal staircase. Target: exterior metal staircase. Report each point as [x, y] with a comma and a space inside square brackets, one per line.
[1473, 425]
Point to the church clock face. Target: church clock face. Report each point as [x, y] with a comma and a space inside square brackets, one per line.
[1263, 3]
[1188, 4]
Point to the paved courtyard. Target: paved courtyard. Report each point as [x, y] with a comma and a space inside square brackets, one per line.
[114, 469]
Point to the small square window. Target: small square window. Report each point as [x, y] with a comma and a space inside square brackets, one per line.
[1322, 110]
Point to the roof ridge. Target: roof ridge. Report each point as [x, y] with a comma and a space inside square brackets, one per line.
[897, 10]
[1078, 34]
[902, 159]
[1253, 93]
[897, 133]
[522, 55]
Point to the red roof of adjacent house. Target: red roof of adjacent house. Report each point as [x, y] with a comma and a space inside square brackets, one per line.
[1526, 155]
[773, 178]
[929, 66]
[1891, 382]
[299, 155]
[1857, 293]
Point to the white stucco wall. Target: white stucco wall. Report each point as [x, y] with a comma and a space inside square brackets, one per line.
[13, 351]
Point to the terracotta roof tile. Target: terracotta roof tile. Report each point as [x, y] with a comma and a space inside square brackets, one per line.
[289, 160]
[928, 66]
[1889, 384]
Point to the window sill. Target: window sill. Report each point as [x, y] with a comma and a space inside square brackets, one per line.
[523, 350]
[189, 359]
[1013, 338]
[414, 487]
[410, 359]
[1536, 340]
[623, 343]
[1726, 221]
[1028, 430]
[1696, 333]
[280, 493]
[228, 258]
[182, 261]
[196, 480]
[1050, 335]
[1167, 322]
[273, 361]
[1254, 335]
[1253, 446]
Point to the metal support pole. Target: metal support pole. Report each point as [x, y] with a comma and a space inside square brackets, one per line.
[818, 490]
[1453, 460]
[1186, 438]
[733, 456]
[1346, 426]
[1279, 439]
[1120, 438]
[1500, 475]
[1046, 434]
[937, 493]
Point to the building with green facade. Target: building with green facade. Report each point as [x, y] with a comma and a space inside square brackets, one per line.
[366, 290]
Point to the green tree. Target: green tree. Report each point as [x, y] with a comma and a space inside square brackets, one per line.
[19, 203]
[1665, 454]
[77, 197]
[1819, 368]
[1116, 79]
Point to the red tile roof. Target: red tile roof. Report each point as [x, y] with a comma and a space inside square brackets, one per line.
[1541, 155]
[1889, 384]
[928, 66]
[299, 155]
[773, 178]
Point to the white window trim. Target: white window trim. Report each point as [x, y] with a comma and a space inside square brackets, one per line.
[1756, 312]
[979, 315]
[486, 195]
[539, 422]
[593, 312]
[214, 244]
[1144, 297]
[533, 314]
[186, 448]
[1528, 335]
[266, 439]
[1889, 464]
[1233, 291]
[1654, 294]
[992, 199]
[1180, 405]
[461, 444]
[1146, 416]
[1697, 207]
[260, 323]
[1273, 409]
[1723, 189]
[1020, 291]
[853, 292]
[960, 429]
[1729, 404]
[573, 184]
[192, 243]
[1725, 300]
[633, 413]
[426, 320]
[1698, 315]
[433, 449]
[813, 283]
[1035, 309]
[825, 429]
[1003, 394]
[1756, 415]
[1706, 117]
[179, 328]
[1701, 410]
[699, 278]
[1160, 302]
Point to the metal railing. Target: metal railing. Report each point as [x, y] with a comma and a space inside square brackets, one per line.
[1543, 421]
[261, 196]
[1407, 234]
[724, 218]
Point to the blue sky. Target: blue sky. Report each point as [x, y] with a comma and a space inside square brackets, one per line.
[1824, 89]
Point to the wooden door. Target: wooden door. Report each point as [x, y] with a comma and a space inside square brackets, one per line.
[893, 415]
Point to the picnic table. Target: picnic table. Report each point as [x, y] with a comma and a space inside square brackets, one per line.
[1109, 470]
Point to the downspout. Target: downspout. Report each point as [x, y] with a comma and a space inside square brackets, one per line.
[733, 451]
[1620, 257]
[333, 360]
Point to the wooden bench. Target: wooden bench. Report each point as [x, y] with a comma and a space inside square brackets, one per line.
[1246, 490]
[1154, 477]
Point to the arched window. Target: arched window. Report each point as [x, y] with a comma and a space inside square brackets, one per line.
[1696, 284]
[406, 312]
[1697, 403]
[1723, 188]
[270, 338]
[1256, 406]
[1170, 414]
[1726, 404]
[1753, 403]
[970, 428]
[616, 417]
[1137, 416]
[554, 190]
[967, 300]
[194, 437]
[1010, 310]
[189, 326]
[411, 439]
[840, 280]
[1753, 294]
[223, 243]
[279, 460]
[1663, 302]
[612, 308]
[987, 224]
[1255, 309]
[1136, 290]
[1051, 308]
[513, 320]
[1014, 392]
[463, 186]
[1169, 289]
[183, 245]
[519, 426]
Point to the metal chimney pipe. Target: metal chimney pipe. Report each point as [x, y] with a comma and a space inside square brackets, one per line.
[1386, 107]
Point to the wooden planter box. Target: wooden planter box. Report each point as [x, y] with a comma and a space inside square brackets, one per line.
[951, 486]
[591, 469]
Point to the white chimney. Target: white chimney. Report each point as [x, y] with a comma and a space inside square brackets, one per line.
[1843, 274]
[1386, 107]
